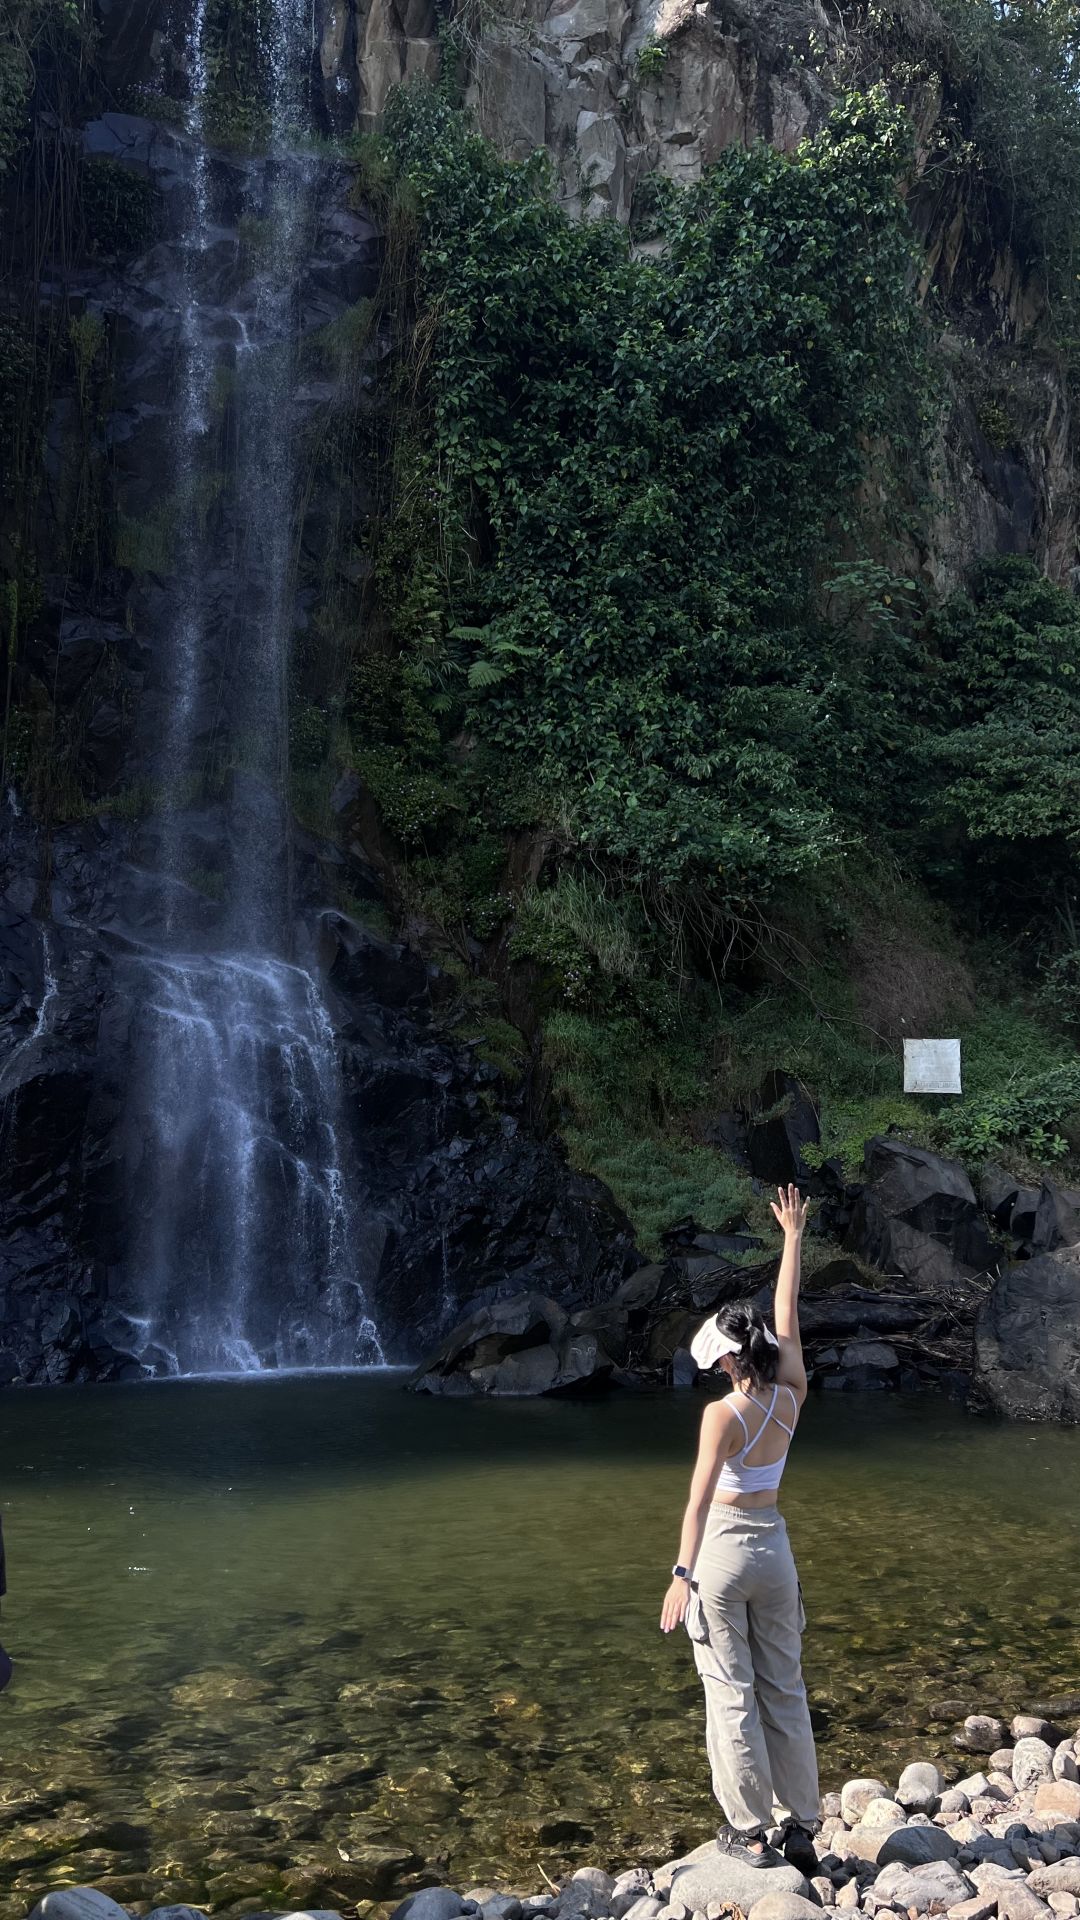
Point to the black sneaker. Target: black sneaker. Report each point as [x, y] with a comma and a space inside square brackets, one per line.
[799, 1850]
[749, 1849]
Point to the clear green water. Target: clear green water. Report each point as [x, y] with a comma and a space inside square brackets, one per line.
[262, 1626]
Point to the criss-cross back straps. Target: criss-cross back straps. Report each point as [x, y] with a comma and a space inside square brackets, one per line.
[770, 1415]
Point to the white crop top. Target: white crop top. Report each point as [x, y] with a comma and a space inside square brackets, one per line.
[735, 1475]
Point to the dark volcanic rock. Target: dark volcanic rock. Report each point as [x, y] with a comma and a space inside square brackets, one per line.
[917, 1216]
[1027, 1340]
[781, 1121]
[462, 1202]
[523, 1345]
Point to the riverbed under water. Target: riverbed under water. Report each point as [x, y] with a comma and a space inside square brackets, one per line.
[314, 1640]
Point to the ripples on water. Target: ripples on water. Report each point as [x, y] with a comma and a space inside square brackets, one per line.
[302, 1639]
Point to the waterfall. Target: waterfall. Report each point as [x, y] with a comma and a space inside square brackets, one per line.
[246, 1252]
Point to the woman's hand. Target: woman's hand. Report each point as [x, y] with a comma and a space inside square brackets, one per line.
[676, 1602]
[791, 1212]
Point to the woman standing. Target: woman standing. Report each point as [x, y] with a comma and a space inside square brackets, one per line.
[735, 1583]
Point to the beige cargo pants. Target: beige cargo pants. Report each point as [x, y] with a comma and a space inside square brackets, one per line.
[746, 1621]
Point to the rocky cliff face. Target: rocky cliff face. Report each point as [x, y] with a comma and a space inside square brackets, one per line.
[617, 90]
[459, 1197]
[372, 1176]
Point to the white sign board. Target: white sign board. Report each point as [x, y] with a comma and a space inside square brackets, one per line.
[932, 1066]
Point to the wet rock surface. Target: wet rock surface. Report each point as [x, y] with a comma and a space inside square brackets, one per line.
[1028, 1339]
[461, 1203]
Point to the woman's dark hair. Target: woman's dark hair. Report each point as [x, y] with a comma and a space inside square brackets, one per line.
[757, 1358]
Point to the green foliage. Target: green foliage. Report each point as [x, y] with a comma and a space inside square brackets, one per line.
[237, 53]
[1059, 988]
[1000, 740]
[1029, 1117]
[1009, 135]
[15, 78]
[411, 801]
[120, 209]
[309, 733]
[651, 61]
[601, 493]
[622, 1103]
[581, 941]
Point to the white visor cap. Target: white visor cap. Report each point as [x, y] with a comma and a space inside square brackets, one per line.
[710, 1345]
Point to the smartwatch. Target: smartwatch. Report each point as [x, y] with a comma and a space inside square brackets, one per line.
[680, 1573]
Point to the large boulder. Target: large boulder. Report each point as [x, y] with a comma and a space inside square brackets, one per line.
[706, 1876]
[1038, 1219]
[1027, 1339]
[524, 1345]
[918, 1216]
[781, 1120]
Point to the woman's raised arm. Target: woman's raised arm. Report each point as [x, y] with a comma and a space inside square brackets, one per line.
[791, 1213]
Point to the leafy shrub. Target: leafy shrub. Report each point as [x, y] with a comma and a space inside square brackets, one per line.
[120, 208]
[1030, 1117]
[1000, 740]
[621, 442]
[1059, 990]
[411, 801]
[623, 1105]
[651, 61]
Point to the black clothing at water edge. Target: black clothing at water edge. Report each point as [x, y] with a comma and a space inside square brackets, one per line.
[5, 1658]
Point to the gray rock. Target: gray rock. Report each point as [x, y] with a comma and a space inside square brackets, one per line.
[784, 1906]
[630, 1891]
[830, 1806]
[920, 1787]
[916, 1846]
[1062, 1877]
[196, 1913]
[431, 1903]
[501, 1906]
[1033, 1762]
[870, 1353]
[988, 1876]
[954, 1803]
[979, 1907]
[1016, 1901]
[707, 1875]
[882, 1813]
[823, 1887]
[966, 1831]
[645, 1907]
[855, 1795]
[864, 1843]
[1031, 1726]
[1065, 1764]
[974, 1788]
[981, 1733]
[78, 1903]
[1001, 1761]
[1027, 1340]
[937, 1884]
[594, 1877]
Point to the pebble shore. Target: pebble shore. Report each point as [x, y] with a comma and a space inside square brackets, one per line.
[1001, 1842]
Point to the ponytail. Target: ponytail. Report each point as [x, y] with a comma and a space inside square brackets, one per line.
[758, 1356]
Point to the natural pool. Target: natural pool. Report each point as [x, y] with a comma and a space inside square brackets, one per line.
[297, 1639]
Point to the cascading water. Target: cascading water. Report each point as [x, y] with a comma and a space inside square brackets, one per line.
[241, 1189]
